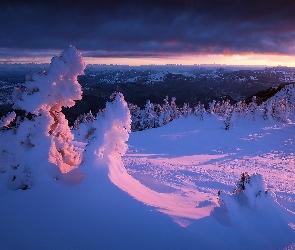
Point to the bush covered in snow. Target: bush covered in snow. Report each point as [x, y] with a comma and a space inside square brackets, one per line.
[6, 120]
[251, 192]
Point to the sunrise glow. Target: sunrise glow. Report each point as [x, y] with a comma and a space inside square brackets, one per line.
[245, 59]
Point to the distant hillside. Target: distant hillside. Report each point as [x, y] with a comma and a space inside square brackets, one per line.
[264, 95]
[188, 84]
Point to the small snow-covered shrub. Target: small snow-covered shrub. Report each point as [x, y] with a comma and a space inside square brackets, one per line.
[250, 192]
[6, 120]
[228, 122]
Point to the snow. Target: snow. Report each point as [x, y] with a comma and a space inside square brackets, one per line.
[190, 184]
[157, 77]
[163, 193]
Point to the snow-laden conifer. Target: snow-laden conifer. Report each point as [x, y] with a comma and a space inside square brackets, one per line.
[43, 140]
[175, 112]
[107, 134]
[54, 89]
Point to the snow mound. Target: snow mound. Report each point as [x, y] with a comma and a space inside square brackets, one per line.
[251, 192]
[255, 211]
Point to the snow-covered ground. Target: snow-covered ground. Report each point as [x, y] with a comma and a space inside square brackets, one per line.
[163, 194]
[181, 186]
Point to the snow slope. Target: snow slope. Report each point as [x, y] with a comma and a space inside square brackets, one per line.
[163, 194]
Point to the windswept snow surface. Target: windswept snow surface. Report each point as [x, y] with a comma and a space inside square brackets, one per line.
[163, 194]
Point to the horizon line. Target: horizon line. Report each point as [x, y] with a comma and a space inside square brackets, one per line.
[144, 65]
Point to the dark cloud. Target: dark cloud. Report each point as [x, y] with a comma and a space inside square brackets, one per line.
[149, 28]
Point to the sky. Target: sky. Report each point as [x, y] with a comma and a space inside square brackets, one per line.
[150, 32]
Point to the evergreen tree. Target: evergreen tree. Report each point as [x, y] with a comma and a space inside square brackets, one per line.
[253, 109]
[228, 122]
[85, 118]
[225, 108]
[267, 109]
[211, 109]
[175, 112]
[165, 115]
[44, 129]
[186, 110]
[135, 113]
[109, 131]
[217, 108]
[148, 117]
[200, 111]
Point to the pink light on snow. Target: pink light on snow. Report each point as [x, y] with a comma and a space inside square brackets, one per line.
[181, 205]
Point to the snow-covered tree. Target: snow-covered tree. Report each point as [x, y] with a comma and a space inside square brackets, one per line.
[165, 115]
[148, 117]
[280, 105]
[52, 90]
[225, 108]
[160, 121]
[211, 109]
[228, 122]
[200, 111]
[110, 130]
[135, 113]
[240, 109]
[85, 118]
[267, 109]
[280, 110]
[175, 112]
[217, 108]
[253, 109]
[43, 134]
[186, 110]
